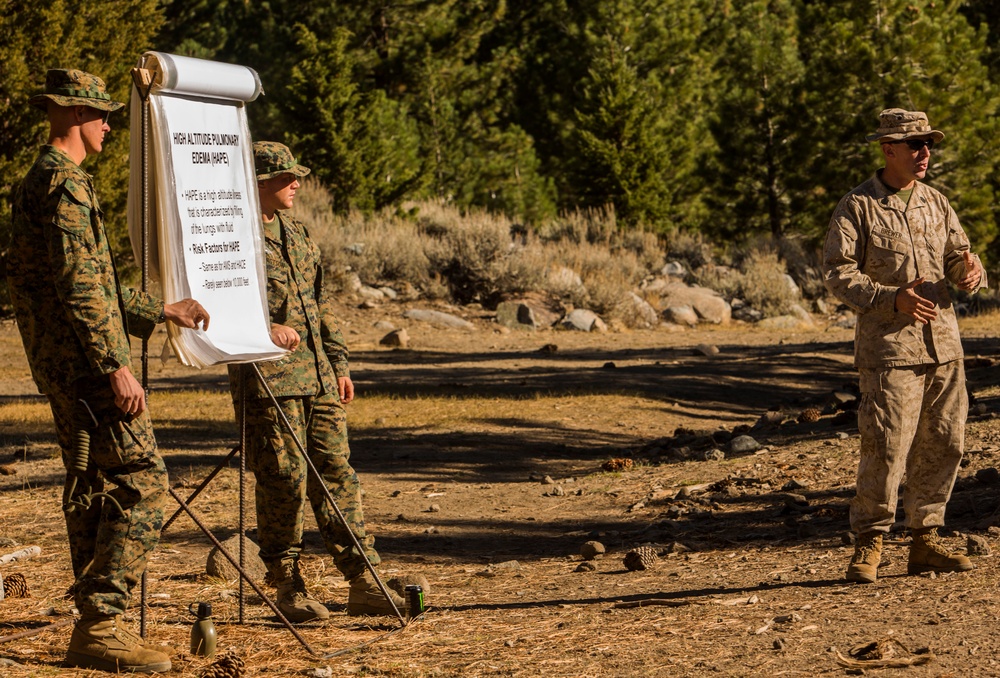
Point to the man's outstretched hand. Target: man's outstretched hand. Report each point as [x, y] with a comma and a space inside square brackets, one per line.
[908, 301]
[186, 313]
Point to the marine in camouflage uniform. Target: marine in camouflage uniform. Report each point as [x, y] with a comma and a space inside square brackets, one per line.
[893, 245]
[74, 318]
[311, 384]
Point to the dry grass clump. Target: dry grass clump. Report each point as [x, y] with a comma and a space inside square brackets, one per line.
[765, 285]
[478, 256]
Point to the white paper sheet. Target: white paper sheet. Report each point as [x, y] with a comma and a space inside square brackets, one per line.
[205, 232]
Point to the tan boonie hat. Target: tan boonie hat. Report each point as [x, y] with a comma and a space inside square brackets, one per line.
[895, 124]
[271, 159]
[74, 88]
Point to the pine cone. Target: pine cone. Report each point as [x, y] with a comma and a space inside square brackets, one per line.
[809, 415]
[642, 558]
[617, 464]
[15, 586]
[228, 665]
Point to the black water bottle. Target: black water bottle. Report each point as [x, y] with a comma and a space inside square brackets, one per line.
[203, 635]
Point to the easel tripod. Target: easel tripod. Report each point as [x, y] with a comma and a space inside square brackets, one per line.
[143, 81]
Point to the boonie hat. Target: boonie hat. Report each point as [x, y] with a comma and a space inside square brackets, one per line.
[74, 88]
[271, 159]
[895, 124]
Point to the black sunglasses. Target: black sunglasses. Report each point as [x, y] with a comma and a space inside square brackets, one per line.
[916, 144]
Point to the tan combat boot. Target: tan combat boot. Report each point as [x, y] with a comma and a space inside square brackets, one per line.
[928, 554]
[293, 599]
[365, 598]
[105, 644]
[867, 556]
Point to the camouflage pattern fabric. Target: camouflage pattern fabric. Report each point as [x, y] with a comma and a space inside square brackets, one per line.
[108, 551]
[305, 381]
[875, 245]
[296, 297]
[71, 87]
[284, 481]
[71, 312]
[72, 316]
[271, 159]
[912, 422]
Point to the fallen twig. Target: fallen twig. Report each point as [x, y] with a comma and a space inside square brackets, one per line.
[35, 632]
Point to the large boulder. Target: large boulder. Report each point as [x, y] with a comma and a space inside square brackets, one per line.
[708, 304]
[637, 312]
[530, 312]
[680, 315]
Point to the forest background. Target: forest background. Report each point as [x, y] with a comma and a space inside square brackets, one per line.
[725, 119]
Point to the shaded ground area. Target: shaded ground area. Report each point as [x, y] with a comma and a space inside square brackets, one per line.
[482, 456]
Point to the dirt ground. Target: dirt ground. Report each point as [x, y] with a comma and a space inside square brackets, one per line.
[481, 454]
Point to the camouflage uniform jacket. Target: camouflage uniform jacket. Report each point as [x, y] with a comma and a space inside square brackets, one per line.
[875, 245]
[72, 313]
[297, 298]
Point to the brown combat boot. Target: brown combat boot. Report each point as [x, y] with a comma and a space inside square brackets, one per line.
[105, 644]
[928, 554]
[867, 556]
[293, 599]
[365, 598]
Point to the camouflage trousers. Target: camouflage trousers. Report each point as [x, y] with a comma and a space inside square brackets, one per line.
[912, 422]
[109, 550]
[284, 481]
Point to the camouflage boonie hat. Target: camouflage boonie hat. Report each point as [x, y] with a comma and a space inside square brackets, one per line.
[895, 124]
[74, 88]
[271, 159]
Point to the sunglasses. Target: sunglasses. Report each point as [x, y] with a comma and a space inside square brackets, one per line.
[916, 144]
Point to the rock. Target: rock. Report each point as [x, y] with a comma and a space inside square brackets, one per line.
[713, 454]
[743, 445]
[397, 339]
[747, 314]
[370, 294]
[401, 581]
[707, 304]
[638, 313]
[532, 312]
[848, 321]
[320, 672]
[792, 287]
[355, 248]
[707, 350]
[556, 491]
[438, 318]
[674, 269]
[547, 480]
[802, 314]
[584, 321]
[352, 283]
[608, 365]
[977, 545]
[592, 549]
[681, 315]
[219, 566]
[794, 484]
[769, 419]
[586, 566]
[434, 508]
[389, 293]
[384, 326]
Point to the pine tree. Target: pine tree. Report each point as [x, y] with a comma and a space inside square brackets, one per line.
[103, 38]
[863, 56]
[755, 118]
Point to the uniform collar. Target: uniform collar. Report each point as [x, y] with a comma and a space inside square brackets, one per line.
[887, 197]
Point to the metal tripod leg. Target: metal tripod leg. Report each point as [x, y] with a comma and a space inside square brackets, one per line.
[243, 573]
[329, 497]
